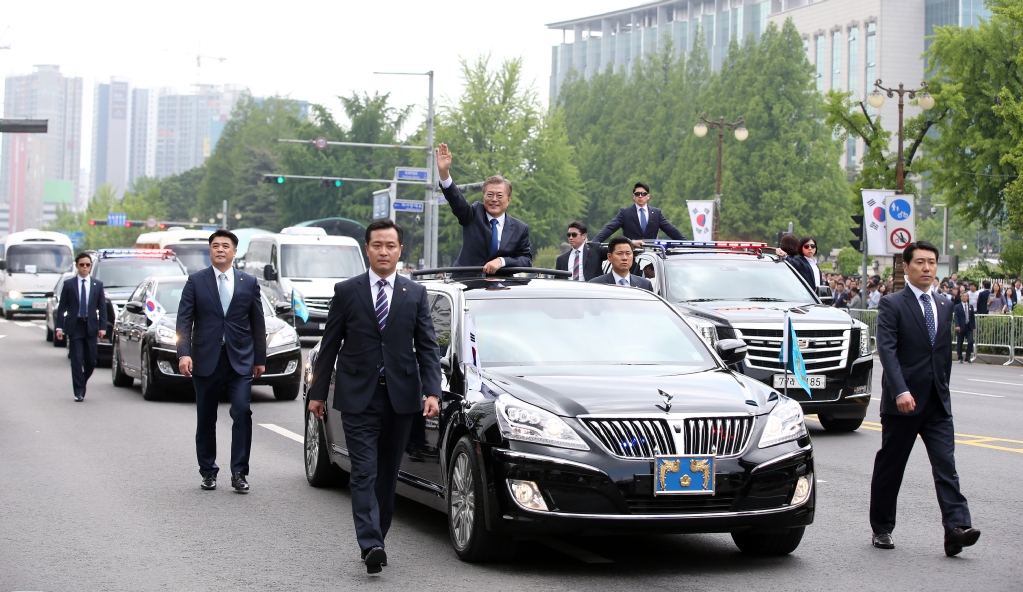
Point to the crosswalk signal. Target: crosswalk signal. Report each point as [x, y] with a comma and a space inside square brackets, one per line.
[330, 183]
[858, 231]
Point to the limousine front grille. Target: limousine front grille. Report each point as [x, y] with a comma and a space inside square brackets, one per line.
[644, 438]
[633, 438]
[720, 436]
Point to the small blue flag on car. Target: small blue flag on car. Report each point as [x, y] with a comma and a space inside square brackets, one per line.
[791, 358]
[298, 305]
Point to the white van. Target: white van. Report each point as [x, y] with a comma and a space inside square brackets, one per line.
[192, 247]
[31, 262]
[304, 259]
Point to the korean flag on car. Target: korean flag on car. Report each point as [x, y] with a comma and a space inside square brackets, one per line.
[154, 311]
[471, 355]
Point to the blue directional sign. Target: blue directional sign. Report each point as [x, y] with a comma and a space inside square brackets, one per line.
[411, 174]
[117, 219]
[408, 205]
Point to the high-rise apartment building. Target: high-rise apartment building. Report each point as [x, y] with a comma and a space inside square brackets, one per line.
[188, 126]
[111, 136]
[142, 161]
[35, 168]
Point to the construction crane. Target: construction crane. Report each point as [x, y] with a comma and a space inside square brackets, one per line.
[198, 60]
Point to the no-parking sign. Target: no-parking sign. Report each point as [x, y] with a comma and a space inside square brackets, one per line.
[900, 222]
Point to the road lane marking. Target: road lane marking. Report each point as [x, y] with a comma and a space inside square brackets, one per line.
[994, 382]
[286, 433]
[2, 336]
[571, 550]
[971, 440]
[25, 323]
[978, 394]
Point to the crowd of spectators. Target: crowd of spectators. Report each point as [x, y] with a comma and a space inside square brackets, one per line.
[989, 297]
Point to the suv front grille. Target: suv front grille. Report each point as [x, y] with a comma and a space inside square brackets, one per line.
[645, 438]
[827, 350]
[319, 305]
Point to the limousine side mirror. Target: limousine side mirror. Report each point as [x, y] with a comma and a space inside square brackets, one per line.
[445, 364]
[282, 307]
[133, 307]
[732, 351]
[824, 293]
[269, 273]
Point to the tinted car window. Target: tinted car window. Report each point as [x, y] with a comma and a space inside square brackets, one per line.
[733, 279]
[38, 259]
[168, 294]
[194, 256]
[320, 261]
[552, 332]
[128, 273]
[440, 310]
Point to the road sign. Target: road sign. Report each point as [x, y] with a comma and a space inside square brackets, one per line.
[320, 143]
[899, 238]
[117, 219]
[151, 222]
[381, 203]
[408, 205]
[211, 228]
[900, 222]
[411, 174]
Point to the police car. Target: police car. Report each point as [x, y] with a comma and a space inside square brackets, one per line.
[754, 288]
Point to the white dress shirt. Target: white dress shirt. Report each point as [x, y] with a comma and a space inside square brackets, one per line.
[230, 281]
[816, 270]
[577, 254]
[88, 291]
[374, 279]
[917, 292]
[627, 277]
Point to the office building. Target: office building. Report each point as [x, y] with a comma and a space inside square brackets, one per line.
[30, 162]
[188, 126]
[142, 161]
[111, 136]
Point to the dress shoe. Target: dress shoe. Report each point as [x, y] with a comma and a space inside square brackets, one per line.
[375, 558]
[79, 398]
[960, 361]
[883, 540]
[239, 483]
[209, 482]
[958, 538]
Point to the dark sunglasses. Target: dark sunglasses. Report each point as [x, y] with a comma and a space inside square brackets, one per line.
[640, 193]
[85, 265]
[573, 234]
[809, 246]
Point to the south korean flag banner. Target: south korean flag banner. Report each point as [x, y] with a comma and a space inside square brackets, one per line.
[875, 220]
[470, 355]
[154, 311]
[701, 214]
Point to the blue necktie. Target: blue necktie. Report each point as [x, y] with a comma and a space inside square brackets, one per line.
[83, 303]
[381, 310]
[623, 282]
[642, 219]
[932, 329]
[225, 297]
[493, 237]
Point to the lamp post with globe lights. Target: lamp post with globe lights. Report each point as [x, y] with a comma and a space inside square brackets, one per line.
[741, 133]
[926, 102]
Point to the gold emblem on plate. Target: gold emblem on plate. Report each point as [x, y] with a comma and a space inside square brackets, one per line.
[668, 466]
[701, 466]
[685, 481]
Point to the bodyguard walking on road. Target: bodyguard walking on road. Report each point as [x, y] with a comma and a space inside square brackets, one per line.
[914, 343]
[220, 323]
[380, 345]
[82, 314]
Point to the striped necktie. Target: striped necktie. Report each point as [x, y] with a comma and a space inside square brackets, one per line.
[575, 267]
[381, 309]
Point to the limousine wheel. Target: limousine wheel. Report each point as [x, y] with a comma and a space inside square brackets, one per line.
[118, 375]
[287, 392]
[466, 522]
[775, 543]
[840, 425]
[150, 391]
[318, 469]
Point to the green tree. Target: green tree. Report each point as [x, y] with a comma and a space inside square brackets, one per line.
[849, 261]
[1011, 258]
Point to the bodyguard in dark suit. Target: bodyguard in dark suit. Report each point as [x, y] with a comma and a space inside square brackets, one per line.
[620, 255]
[640, 221]
[490, 237]
[584, 258]
[380, 345]
[914, 343]
[966, 324]
[984, 297]
[220, 324]
[80, 314]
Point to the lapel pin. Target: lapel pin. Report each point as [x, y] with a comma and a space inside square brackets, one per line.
[403, 290]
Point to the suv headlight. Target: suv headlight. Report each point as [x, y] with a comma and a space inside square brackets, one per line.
[528, 423]
[785, 423]
[285, 336]
[865, 349]
[166, 336]
[705, 329]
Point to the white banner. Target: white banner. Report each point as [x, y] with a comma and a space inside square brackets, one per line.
[874, 220]
[701, 214]
[900, 220]
[470, 355]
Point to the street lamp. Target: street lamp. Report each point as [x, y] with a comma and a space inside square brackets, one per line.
[741, 133]
[238, 216]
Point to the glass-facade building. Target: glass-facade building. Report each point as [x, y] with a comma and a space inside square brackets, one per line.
[941, 13]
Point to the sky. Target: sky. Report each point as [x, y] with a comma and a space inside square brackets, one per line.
[312, 50]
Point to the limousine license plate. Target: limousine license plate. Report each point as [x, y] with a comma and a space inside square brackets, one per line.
[675, 475]
[815, 382]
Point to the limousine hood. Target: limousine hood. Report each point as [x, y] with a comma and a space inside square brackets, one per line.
[715, 391]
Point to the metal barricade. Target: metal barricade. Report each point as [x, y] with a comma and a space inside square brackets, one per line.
[868, 316]
[1017, 336]
[996, 331]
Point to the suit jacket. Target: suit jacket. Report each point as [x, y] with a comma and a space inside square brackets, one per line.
[476, 233]
[202, 325]
[594, 254]
[354, 347]
[840, 300]
[909, 361]
[982, 297]
[805, 270]
[628, 220]
[634, 280]
[965, 317]
[67, 310]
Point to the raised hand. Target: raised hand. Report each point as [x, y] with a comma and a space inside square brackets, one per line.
[443, 161]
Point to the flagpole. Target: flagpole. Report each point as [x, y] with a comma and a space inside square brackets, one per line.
[294, 323]
[788, 351]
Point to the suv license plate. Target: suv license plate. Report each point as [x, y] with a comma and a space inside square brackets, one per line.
[38, 305]
[816, 382]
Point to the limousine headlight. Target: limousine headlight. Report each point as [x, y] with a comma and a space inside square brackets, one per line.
[166, 336]
[785, 423]
[286, 336]
[528, 423]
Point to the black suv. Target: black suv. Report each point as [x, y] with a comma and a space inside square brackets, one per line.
[572, 429]
[754, 288]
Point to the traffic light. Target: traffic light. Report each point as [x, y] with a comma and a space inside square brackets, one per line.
[330, 183]
[858, 231]
[95, 222]
[279, 179]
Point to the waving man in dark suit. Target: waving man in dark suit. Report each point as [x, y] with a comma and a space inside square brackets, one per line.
[220, 324]
[380, 335]
[82, 314]
[641, 221]
[914, 343]
[490, 237]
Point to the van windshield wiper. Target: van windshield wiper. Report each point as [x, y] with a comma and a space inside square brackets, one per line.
[703, 299]
[764, 299]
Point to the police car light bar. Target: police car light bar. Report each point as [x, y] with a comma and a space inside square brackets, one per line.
[135, 253]
[708, 244]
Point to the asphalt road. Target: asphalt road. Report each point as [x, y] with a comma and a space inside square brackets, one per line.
[104, 495]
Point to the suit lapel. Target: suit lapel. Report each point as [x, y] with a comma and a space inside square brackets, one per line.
[509, 226]
[211, 283]
[398, 298]
[363, 289]
[634, 214]
[93, 294]
[915, 311]
[238, 286]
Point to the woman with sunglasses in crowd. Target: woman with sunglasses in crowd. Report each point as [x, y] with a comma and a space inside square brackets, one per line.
[805, 262]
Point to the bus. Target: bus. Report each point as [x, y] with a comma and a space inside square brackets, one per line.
[192, 247]
[31, 262]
